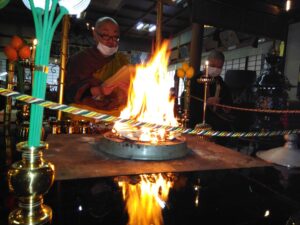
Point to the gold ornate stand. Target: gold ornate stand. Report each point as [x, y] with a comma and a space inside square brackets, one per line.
[204, 126]
[204, 80]
[30, 179]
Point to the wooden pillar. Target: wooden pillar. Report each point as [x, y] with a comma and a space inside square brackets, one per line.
[196, 46]
[159, 14]
[195, 60]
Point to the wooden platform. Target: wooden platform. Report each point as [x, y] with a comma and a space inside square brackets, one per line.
[75, 156]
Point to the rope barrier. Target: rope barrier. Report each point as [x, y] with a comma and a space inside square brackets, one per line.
[252, 110]
[108, 118]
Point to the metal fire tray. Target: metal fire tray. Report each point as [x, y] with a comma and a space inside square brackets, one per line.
[125, 148]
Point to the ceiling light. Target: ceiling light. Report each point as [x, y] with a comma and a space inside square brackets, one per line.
[145, 27]
[176, 1]
[267, 213]
[260, 40]
[152, 28]
[140, 25]
[287, 5]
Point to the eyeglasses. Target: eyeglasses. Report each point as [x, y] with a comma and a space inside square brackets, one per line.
[107, 37]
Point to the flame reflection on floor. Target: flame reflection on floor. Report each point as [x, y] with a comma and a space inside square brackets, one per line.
[145, 198]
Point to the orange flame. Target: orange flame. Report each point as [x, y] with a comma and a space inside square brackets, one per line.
[146, 199]
[149, 99]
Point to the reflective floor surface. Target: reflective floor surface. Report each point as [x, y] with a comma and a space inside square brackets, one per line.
[268, 195]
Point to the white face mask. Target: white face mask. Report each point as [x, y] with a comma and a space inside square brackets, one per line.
[105, 50]
[214, 71]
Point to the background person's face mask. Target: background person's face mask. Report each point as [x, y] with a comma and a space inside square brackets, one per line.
[214, 71]
[105, 50]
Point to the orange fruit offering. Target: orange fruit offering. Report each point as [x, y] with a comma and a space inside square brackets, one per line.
[16, 42]
[10, 53]
[180, 73]
[185, 66]
[190, 72]
[24, 52]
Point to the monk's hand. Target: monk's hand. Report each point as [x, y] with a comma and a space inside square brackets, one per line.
[97, 92]
[118, 98]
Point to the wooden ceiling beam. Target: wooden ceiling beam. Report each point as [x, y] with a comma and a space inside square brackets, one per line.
[150, 9]
[256, 5]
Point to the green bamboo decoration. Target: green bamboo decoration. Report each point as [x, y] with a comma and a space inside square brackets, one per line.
[45, 25]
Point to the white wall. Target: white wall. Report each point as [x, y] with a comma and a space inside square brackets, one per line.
[292, 62]
[263, 48]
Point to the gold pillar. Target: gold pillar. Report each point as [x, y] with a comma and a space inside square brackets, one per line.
[63, 60]
[7, 113]
[159, 11]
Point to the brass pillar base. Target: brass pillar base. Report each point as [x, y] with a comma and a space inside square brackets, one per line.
[30, 179]
[32, 213]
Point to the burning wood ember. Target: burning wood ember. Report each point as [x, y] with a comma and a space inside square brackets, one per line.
[144, 134]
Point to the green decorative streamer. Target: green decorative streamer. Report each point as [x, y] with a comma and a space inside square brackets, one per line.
[44, 28]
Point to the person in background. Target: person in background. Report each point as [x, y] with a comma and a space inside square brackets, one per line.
[217, 93]
[99, 76]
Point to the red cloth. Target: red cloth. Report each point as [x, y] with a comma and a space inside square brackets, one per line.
[80, 78]
[80, 69]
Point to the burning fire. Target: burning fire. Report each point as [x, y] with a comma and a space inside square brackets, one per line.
[149, 100]
[146, 199]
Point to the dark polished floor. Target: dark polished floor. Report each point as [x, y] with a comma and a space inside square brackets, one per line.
[225, 197]
[268, 195]
[260, 196]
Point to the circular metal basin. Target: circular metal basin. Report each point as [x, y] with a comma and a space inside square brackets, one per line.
[124, 148]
